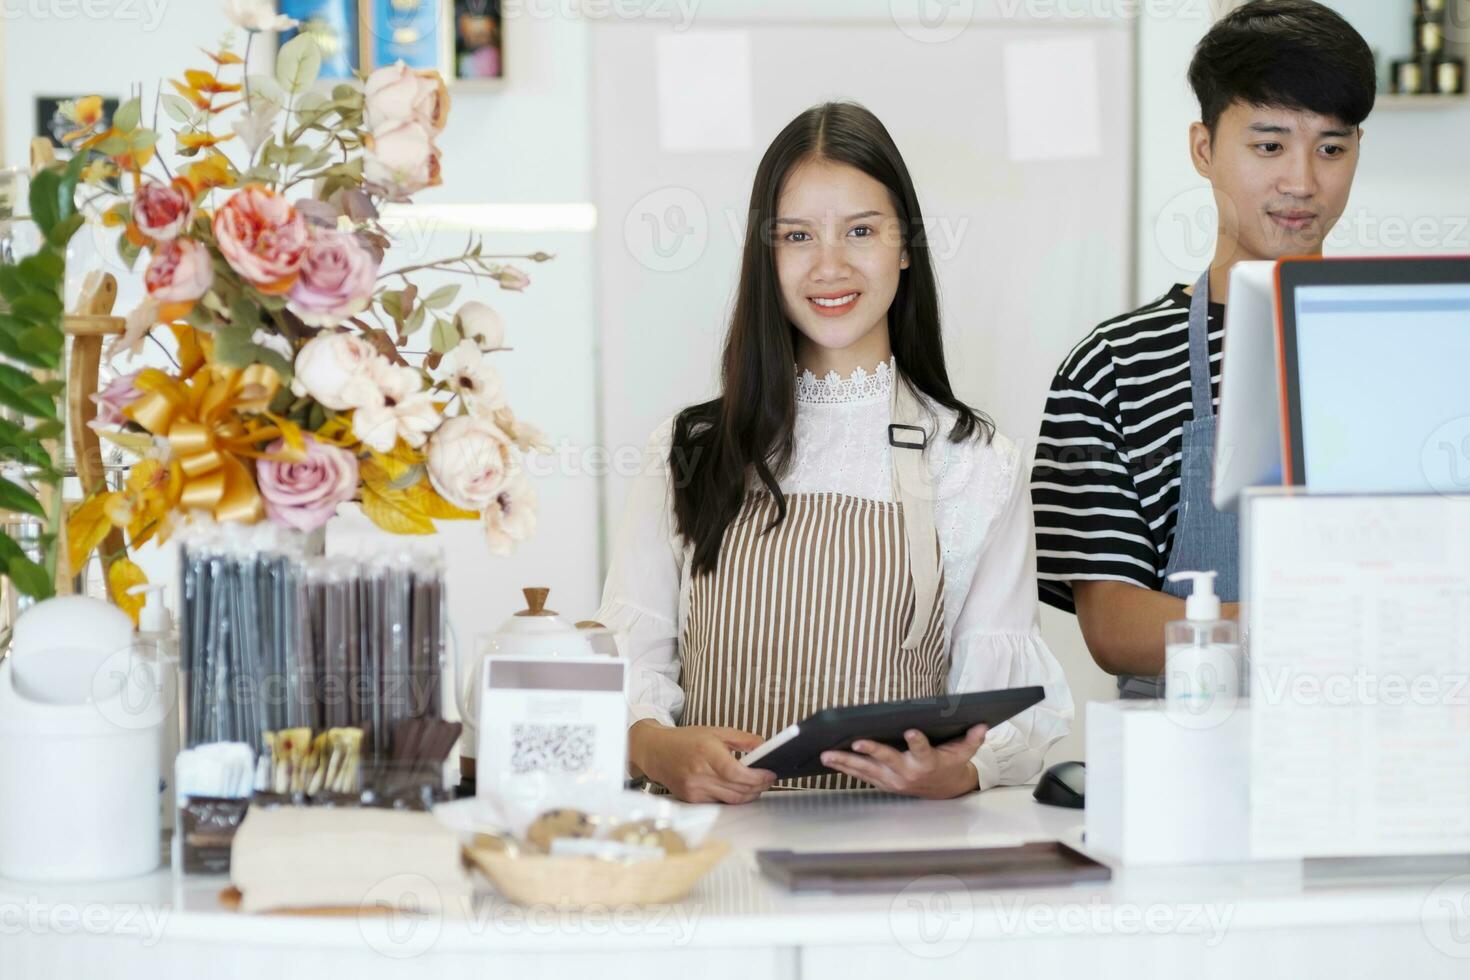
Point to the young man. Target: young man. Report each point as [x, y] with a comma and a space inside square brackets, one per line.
[1121, 486]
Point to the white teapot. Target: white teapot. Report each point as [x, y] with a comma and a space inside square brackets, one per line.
[533, 632]
[537, 632]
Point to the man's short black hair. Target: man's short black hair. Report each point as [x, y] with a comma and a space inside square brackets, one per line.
[1287, 54]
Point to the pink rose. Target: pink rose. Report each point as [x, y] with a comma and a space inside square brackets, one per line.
[118, 395]
[305, 494]
[335, 280]
[161, 211]
[178, 274]
[401, 158]
[396, 93]
[262, 237]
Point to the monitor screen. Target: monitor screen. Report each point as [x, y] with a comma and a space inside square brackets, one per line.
[1383, 375]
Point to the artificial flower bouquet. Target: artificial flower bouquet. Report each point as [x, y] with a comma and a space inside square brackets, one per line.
[293, 387]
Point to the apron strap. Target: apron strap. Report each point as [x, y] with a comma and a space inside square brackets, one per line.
[913, 487]
[1199, 349]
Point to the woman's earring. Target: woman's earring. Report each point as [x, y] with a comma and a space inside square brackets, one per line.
[903, 260]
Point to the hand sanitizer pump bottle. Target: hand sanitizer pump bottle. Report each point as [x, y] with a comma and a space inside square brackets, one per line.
[1202, 663]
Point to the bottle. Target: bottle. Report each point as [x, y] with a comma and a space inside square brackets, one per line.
[1202, 664]
[158, 652]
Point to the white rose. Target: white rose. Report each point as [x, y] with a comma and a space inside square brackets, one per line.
[401, 157]
[480, 323]
[469, 461]
[328, 366]
[396, 93]
[511, 516]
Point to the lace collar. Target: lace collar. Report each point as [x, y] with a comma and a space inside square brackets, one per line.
[860, 386]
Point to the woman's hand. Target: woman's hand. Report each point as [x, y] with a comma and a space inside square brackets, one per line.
[695, 762]
[924, 770]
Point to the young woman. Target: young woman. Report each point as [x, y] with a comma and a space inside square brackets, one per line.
[790, 557]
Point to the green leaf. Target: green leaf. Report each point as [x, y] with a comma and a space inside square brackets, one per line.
[113, 145]
[36, 306]
[44, 265]
[299, 152]
[44, 341]
[43, 199]
[13, 279]
[142, 139]
[127, 251]
[127, 115]
[13, 497]
[444, 337]
[441, 297]
[11, 349]
[19, 391]
[64, 229]
[414, 322]
[47, 389]
[298, 62]
[177, 108]
[391, 300]
[48, 430]
[30, 578]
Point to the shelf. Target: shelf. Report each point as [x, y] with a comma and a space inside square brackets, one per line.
[1392, 101]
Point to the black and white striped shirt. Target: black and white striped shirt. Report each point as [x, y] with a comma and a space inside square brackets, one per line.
[1105, 488]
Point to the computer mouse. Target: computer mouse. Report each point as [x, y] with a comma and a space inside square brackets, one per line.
[1064, 784]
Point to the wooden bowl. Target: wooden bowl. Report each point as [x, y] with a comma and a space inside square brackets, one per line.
[536, 879]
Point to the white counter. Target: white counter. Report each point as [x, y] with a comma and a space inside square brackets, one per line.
[1266, 920]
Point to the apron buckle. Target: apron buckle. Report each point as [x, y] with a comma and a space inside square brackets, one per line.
[899, 443]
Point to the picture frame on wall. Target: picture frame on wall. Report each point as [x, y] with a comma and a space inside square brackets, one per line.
[478, 53]
[461, 39]
[412, 31]
[335, 25]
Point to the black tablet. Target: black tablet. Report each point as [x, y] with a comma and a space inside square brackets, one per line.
[797, 751]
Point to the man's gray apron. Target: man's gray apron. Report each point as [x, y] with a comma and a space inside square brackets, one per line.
[1204, 539]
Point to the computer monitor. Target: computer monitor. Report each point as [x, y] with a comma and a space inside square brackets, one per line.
[1248, 438]
[1375, 374]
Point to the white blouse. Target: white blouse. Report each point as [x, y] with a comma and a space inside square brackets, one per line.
[983, 517]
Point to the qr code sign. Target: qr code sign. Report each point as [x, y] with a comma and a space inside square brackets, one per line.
[549, 748]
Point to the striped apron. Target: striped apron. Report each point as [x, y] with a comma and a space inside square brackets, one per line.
[819, 611]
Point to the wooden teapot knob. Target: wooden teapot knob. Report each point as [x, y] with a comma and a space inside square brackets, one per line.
[536, 601]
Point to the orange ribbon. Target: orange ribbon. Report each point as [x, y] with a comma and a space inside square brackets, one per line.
[200, 415]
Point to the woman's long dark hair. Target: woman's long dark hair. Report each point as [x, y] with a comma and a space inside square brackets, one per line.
[718, 443]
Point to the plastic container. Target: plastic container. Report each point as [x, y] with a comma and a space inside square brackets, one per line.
[79, 771]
